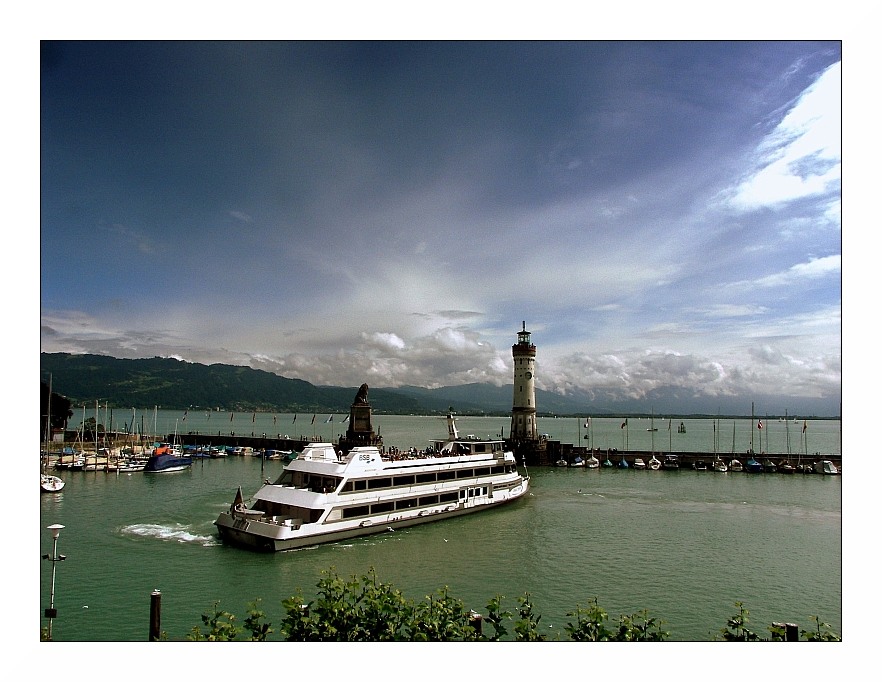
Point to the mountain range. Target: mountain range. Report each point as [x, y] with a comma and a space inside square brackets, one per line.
[174, 384]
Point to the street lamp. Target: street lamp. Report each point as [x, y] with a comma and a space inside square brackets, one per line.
[55, 557]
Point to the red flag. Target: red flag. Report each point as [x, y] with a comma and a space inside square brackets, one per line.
[760, 424]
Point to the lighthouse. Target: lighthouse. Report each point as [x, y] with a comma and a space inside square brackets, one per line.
[523, 408]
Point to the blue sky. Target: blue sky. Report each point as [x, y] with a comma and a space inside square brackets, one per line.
[661, 214]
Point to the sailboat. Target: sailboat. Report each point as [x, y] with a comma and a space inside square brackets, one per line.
[168, 458]
[718, 465]
[48, 482]
[734, 465]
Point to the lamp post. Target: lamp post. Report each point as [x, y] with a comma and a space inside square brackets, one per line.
[55, 557]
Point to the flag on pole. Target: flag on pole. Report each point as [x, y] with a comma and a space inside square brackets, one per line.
[253, 417]
[231, 416]
[625, 423]
[804, 425]
[345, 420]
[329, 419]
[274, 419]
[295, 419]
[313, 419]
[759, 424]
[185, 416]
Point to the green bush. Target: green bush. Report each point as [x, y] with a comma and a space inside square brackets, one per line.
[366, 609]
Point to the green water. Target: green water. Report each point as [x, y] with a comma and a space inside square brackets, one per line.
[684, 545]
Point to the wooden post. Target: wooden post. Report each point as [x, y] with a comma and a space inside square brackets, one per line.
[155, 608]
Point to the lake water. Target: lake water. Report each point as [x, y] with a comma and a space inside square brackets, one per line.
[685, 545]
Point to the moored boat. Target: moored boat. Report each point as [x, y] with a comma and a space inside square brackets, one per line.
[699, 465]
[671, 463]
[735, 465]
[769, 466]
[753, 467]
[167, 459]
[825, 466]
[786, 467]
[50, 483]
[325, 496]
[720, 466]
[654, 463]
[592, 462]
[639, 463]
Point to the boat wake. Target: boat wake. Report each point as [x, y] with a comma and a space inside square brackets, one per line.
[175, 532]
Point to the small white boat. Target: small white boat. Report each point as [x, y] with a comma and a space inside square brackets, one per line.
[735, 465]
[825, 466]
[50, 483]
[720, 466]
[639, 463]
[654, 463]
[592, 462]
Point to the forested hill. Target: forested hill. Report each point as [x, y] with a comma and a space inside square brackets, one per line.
[173, 384]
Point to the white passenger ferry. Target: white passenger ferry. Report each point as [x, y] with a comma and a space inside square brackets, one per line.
[323, 496]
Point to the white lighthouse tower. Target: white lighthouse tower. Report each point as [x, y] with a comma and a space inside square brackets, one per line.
[523, 409]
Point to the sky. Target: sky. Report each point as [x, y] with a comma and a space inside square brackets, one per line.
[657, 213]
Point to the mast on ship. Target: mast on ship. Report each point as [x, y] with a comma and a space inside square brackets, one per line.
[452, 432]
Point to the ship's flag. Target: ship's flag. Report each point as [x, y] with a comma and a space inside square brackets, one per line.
[759, 424]
[313, 419]
[804, 425]
[185, 416]
[231, 416]
[625, 423]
[295, 419]
[253, 417]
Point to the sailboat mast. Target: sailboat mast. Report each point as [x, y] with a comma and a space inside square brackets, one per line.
[48, 423]
[751, 428]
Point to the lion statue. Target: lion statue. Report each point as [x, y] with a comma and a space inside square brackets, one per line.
[362, 395]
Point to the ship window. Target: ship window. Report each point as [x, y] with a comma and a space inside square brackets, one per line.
[498, 470]
[352, 512]
[482, 472]
[431, 499]
[425, 478]
[375, 483]
[360, 485]
[406, 504]
[465, 473]
[446, 475]
[381, 507]
[404, 480]
[448, 497]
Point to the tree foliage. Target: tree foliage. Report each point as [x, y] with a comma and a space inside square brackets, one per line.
[365, 609]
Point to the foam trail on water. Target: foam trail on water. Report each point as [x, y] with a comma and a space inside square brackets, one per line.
[175, 532]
